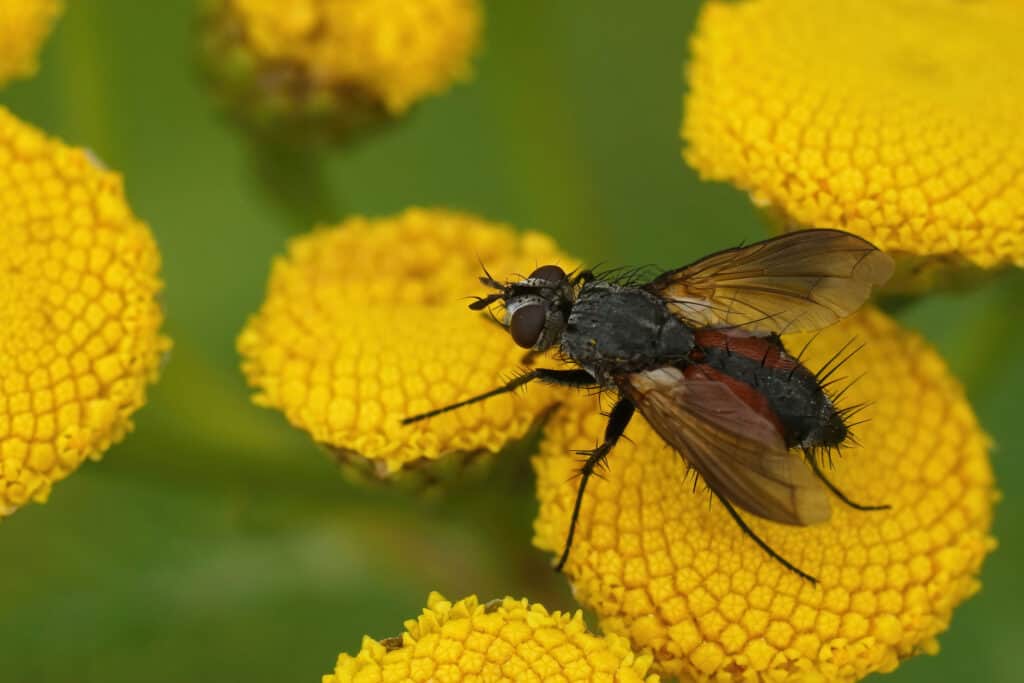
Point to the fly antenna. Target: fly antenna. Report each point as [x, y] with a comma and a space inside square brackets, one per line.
[487, 279]
[482, 302]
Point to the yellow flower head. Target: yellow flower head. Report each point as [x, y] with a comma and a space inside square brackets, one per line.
[338, 64]
[366, 323]
[24, 24]
[79, 318]
[666, 567]
[898, 121]
[503, 640]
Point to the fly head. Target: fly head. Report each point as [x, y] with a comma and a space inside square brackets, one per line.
[536, 308]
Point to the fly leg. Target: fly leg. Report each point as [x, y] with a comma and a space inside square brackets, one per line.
[813, 461]
[618, 419]
[569, 378]
[758, 540]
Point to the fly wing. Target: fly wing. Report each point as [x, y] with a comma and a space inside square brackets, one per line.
[797, 282]
[739, 453]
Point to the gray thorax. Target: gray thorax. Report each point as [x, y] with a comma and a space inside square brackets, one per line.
[613, 330]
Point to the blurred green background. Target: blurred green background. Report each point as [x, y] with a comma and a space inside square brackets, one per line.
[218, 543]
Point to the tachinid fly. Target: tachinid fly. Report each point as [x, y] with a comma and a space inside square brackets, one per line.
[697, 352]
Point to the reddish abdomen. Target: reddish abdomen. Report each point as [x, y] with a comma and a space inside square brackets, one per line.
[765, 350]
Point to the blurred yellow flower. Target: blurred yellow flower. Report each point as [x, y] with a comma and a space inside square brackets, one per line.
[503, 640]
[898, 121]
[24, 24]
[366, 322]
[338, 64]
[673, 572]
[79, 317]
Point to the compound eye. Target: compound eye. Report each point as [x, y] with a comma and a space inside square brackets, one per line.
[527, 323]
[548, 273]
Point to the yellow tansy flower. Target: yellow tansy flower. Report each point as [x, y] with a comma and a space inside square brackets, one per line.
[503, 640]
[24, 24]
[79, 318]
[337, 64]
[366, 322]
[898, 121]
[673, 572]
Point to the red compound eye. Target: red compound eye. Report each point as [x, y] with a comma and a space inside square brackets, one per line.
[548, 273]
[527, 323]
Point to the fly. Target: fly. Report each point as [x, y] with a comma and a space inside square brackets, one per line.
[696, 351]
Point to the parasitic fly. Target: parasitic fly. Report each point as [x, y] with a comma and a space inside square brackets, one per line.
[697, 352]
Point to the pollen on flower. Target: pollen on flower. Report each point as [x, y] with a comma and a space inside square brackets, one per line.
[907, 136]
[662, 564]
[503, 640]
[366, 323]
[24, 24]
[339, 63]
[79, 319]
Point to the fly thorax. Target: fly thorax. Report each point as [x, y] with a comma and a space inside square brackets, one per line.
[617, 329]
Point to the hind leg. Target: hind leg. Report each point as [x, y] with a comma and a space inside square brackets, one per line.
[813, 462]
[761, 542]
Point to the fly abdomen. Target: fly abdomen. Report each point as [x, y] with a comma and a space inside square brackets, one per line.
[793, 393]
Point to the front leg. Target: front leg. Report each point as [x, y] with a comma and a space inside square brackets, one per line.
[569, 378]
[618, 420]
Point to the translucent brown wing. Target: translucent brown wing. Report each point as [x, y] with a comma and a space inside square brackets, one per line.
[740, 454]
[797, 282]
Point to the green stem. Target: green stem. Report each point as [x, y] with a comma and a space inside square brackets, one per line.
[295, 178]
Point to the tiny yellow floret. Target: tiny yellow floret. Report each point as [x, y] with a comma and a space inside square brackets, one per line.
[24, 25]
[505, 640]
[663, 565]
[898, 121]
[366, 323]
[79, 318]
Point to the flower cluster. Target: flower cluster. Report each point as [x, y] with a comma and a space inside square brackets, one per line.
[24, 25]
[79, 315]
[366, 322]
[907, 136]
[335, 65]
[503, 640]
